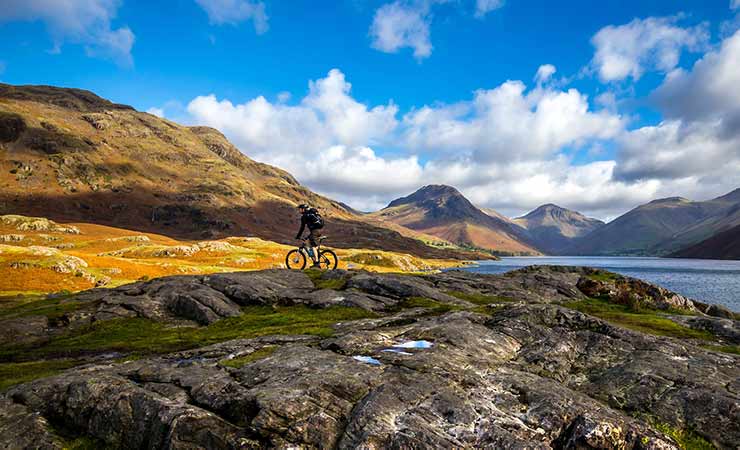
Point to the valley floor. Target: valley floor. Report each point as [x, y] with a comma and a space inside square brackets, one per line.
[38, 256]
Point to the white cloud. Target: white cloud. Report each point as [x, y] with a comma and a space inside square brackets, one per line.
[544, 73]
[402, 24]
[235, 11]
[734, 4]
[710, 91]
[701, 138]
[159, 112]
[406, 24]
[643, 44]
[86, 22]
[283, 96]
[326, 141]
[483, 7]
[509, 124]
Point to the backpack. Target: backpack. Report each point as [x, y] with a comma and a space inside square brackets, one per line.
[314, 219]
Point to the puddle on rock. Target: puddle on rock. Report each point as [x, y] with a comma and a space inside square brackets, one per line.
[367, 359]
[414, 344]
[395, 350]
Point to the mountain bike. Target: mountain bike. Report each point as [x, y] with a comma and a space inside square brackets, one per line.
[296, 259]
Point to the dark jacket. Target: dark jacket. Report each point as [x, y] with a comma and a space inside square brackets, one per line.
[305, 222]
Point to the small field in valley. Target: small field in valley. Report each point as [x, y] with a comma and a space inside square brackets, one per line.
[39, 256]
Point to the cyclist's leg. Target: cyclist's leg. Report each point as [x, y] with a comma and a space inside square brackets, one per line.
[313, 241]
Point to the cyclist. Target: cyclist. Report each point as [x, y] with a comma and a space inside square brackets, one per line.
[311, 218]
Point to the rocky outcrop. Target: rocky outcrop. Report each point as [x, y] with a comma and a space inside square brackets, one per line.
[525, 373]
[537, 376]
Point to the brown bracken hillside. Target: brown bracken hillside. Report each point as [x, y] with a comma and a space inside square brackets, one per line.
[71, 156]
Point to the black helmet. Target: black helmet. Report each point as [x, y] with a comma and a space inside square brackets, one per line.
[303, 206]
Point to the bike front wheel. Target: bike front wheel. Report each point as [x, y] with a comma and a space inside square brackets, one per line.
[295, 260]
[327, 260]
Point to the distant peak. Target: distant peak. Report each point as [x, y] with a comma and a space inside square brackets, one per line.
[429, 192]
[670, 200]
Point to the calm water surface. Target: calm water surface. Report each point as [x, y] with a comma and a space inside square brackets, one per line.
[706, 280]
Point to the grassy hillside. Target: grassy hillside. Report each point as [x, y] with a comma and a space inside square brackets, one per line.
[39, 256]
[651, 229]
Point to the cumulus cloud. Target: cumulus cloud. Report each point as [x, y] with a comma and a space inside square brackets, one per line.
[483, 7]
[508, 124]
[643, 44]
[700, 140]
[406, 24]
[86, 22]
[544, 73]
[402, 24]
[234, 12]
[327, 141]
[710, 91]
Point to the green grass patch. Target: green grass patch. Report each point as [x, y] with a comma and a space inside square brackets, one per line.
[603, 276]
[325, 283]
[51, 307]
[256, 355]
[16, 373]
[686, 439]
[144, 336]
[481, 299]
[731, 349]
[645, 321]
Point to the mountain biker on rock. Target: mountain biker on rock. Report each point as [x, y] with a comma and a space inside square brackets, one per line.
[311, 218]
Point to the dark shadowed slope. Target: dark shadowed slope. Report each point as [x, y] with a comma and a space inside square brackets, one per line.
[443, 211]
[554, 228]
[659, 227]
[723, 245]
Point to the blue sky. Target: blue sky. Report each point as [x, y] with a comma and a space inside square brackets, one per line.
[412, 115]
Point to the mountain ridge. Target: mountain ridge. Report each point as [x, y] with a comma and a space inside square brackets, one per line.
[661, 226]
[554, 227]
[442, 211]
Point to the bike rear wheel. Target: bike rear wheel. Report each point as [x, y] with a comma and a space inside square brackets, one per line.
[295, 260]
[327, 260]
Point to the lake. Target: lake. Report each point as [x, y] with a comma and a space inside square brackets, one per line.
[710, 281]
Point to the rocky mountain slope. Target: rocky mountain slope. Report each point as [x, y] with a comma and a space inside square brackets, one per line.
[723, 245]
[661, 227]
[554, 228]
[451, 360]
[443, 211]
[71, 156]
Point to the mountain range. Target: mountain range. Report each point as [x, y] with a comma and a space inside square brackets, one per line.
[661, 227]
[444, 212]
[69, 155]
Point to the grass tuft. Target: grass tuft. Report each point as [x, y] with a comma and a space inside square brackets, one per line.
[17, 373]
[645, 321]
[686, 439]
[603, 276]
[144, 336]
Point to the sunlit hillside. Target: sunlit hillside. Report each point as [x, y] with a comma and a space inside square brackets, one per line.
[38, 255]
